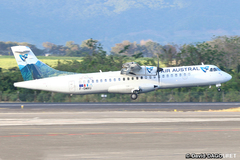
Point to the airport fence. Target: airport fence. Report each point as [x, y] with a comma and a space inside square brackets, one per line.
[190, 96]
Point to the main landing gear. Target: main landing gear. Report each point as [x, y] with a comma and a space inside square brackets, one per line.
[134, 95]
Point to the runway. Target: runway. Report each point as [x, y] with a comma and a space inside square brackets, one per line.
[49, 107]
[72, 132]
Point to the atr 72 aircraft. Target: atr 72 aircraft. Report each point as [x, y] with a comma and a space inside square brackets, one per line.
[132, 79]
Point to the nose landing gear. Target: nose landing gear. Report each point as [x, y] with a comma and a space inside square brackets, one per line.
[219, 89]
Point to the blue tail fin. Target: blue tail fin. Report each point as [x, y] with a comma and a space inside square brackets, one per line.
[30, 67]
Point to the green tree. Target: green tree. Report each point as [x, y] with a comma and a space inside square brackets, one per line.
[169, 55]
[230, 47]
[201, 52]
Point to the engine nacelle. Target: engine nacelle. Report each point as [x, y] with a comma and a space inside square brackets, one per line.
[148, 87]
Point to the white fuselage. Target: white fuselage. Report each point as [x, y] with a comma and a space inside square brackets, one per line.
[115, 82]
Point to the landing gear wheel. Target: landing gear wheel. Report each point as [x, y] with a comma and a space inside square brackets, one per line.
[219, 89]
[134, 96]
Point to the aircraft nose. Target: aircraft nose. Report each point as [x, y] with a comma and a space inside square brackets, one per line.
[228, 77]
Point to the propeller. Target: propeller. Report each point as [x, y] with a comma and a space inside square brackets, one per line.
[158, 70]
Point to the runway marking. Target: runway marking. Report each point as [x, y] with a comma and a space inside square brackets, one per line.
[121, 133]
[24, 122]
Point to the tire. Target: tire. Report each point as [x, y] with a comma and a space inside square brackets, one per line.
[134, 96]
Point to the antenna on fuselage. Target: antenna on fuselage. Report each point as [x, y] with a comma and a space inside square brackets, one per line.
[202, 63]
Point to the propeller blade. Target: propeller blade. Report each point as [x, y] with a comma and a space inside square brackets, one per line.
[158, 68]
[158, 71]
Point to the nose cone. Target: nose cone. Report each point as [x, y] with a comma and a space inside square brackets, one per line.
[228, 77]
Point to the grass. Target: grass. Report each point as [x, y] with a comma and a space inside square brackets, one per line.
[7, 62]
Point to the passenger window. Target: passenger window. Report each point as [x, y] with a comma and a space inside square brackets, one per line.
[119, 79]
[167, 75]
[136, 78]
[92, 81]
[171, 75]
[211, 69]
[123, 79]
[97, 81]
[215, 69]
[189, 74]
[88, 81]
[180, 75]
[114, 79]
[105, 80]
[128, 78]
[175, 75]
[141, 77]
[150, 77]
[154, 77]
[185, 74]
[101, 80]
[145, 77]
[163, 76]
[110, 79]
[132, 78]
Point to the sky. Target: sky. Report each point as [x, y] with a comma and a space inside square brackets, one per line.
[113, 21]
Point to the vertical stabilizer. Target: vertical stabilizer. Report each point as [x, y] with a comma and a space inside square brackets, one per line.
[30, 67]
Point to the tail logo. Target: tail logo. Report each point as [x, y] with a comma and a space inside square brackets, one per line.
[204, 69]
[149, 69]
[23, 57]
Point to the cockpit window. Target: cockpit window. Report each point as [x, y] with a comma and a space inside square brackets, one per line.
[214, 69]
